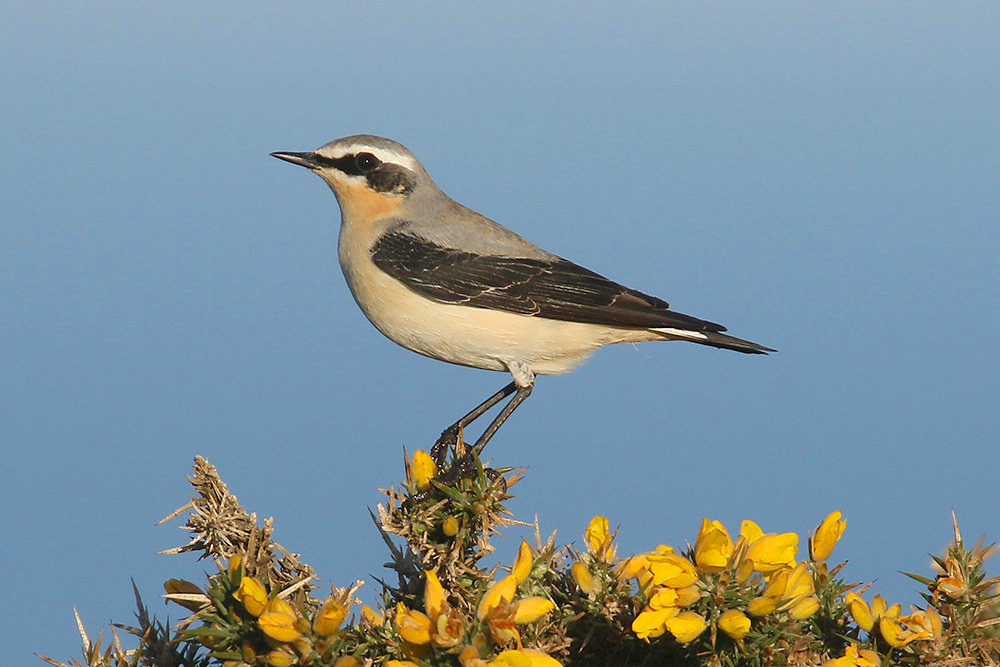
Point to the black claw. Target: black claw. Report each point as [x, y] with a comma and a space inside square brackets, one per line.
[447, 441]
[494, 475]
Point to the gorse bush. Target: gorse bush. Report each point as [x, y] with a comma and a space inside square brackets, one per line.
[746, 598]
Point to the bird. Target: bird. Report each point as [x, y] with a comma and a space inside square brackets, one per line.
[447, 282]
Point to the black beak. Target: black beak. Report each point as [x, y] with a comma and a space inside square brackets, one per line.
[308, 160]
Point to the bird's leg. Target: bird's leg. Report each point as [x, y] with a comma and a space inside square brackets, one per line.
[449, 437]
[508, 410]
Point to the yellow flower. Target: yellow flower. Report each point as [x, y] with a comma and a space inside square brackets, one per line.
[734, 623]
[651, 623]
[434, 598]
[446, 624]
[773, 552]
[450, 526]
[279, 658]
[790, 586]
[413, 626]
[688, 595]
[469, 657]
[713, 547]
[762, 606]
[750, 531]
[278, 621]
[637, 567]
[583, 578]
[511, 658]
[881, 614]
[897, 636]
[804, 607]
[532, 608]
[370, 616]
[502, 612]
[502, 591]
[926, 623]
[235, 567]
[686, 626]
[664, 597]
[424, 469]
[826, 535]
[523, 562]
[185, 593]
[400, 663]
[855, 658]
[329, 617]
[671, 570]
[347, 661]
[448, 629]
[525, 657]
[860, 611]
[253, 596]
[598, 539]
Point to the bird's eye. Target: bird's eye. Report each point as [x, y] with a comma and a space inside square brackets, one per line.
[366, 162]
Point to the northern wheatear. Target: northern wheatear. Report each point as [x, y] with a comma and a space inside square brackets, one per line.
[449, 283]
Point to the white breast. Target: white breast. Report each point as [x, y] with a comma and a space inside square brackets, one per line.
[466, 335]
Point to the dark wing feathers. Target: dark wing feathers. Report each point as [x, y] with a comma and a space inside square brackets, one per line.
[556, 289]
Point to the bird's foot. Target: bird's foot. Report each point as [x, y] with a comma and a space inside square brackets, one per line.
[450, 439]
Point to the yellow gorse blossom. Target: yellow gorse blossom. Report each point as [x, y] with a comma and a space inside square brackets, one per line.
[186, 594]
[734, 623]
[883, 616]
[686, 626]
[667, 596]
[859, 611]
[329, 617]
[772, 552]
[279, 621]
[413, 626]
[434, 598]
[826, 535]
[804, 608]
[791, 585]
[637, 567]
[855, 658]
[598, 539]
[583, 578]
[253, 596]
[280, 658]
[530, 609]
[424, 469]
[788, 590]
[926, 623]
[523, 562]
[750, 531]
[499, 608]
[524, 658]
[713, 547]
[470, 657]
[450, 526]
[762, 606]
[446, 624]
[651, 623]
[671, 570]
[501, 591]
[540, 659]
[371, 617]
[918, 627]
[235, 567]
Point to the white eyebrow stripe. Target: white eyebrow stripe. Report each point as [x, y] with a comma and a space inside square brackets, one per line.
[383, 154]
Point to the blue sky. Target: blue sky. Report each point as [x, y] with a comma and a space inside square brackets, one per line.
[821, 179]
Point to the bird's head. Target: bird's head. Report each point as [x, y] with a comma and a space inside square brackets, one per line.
[371, 176]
